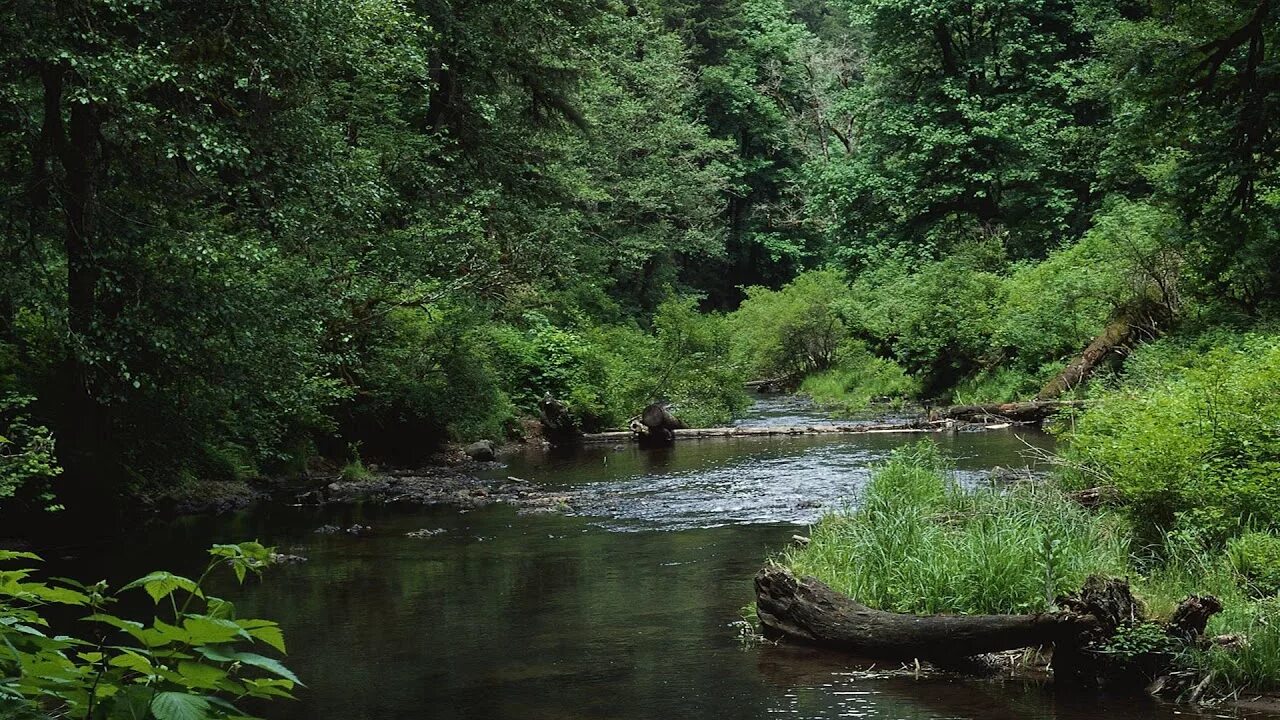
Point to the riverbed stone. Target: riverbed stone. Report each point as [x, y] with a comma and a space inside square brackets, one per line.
[480, 450]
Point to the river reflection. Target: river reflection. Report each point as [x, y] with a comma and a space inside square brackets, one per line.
[554, 616]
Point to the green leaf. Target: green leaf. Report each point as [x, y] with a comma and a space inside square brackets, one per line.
[266, 631]
[197, 675]
[204, 630]
[180, 706]
[270, 665]
[160, 585]
[16, 555]
[129, 626]
[133, 661]
[47, 593]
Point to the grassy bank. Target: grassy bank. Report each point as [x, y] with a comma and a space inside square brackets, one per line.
[918, 541]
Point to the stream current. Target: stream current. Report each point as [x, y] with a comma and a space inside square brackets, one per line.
[621, 610]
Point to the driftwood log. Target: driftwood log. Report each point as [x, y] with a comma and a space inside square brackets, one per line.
[1020, 412]
[808, 611]
[775, 431]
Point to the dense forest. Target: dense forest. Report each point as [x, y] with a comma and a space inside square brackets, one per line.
[253, 241]
[242, 236]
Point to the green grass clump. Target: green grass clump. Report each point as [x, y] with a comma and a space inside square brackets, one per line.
[858, 380]
[1188, 568]
[918, 542]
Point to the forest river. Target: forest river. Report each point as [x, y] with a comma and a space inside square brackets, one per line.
[621, 610]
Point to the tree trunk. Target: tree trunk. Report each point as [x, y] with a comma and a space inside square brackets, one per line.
[559, 427]
[1119, 333]
[75, 147]
[808, 611]
[656, 425]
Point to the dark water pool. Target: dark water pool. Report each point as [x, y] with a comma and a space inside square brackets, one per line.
[620, 611]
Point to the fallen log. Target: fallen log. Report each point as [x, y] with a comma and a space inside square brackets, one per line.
[729, 432]
[771, 385]
[1018, 412]
[806, 610]
[1125, 329]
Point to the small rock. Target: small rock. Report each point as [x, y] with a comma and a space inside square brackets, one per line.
[801, 540]
[359, 530]
[480, 450]
[328, 530]
[286, 559]
[425, 533]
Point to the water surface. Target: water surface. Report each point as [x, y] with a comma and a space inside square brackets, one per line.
[621, 610]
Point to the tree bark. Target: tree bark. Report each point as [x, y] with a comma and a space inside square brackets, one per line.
[74, 145]
[1119, 333]
[806, 610]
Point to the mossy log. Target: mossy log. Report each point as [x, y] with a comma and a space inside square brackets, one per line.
[808, 611]
[1128, 325]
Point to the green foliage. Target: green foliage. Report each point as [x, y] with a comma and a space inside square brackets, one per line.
[191, 661]
[918, 542]
[858, 380]
[1250, 664]
[792, 331]
[27, 461]
[965, 121]
[1134, 640]
[1255, 556]
[935, 320]
[1189, 438]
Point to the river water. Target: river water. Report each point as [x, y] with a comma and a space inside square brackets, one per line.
[620, 610]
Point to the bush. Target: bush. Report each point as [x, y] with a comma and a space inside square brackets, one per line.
[918, 542]
[935, 321]
[27, 462]
[1054, 308]
[426, 377]
[858, 380]
[189, 664]
[609, 373]
[793, 331]
[1190, 438]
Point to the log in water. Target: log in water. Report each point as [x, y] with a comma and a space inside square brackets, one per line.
[769, 431]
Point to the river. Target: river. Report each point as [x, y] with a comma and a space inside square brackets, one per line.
[622, 610]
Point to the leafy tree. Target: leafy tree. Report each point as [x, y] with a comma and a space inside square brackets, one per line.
[1195, 129]
[965, 123]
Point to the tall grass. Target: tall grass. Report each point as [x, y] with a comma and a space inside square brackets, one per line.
[918, 542]
[858, 380]
[1187, 568]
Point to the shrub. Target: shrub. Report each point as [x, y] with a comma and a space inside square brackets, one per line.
[425, 377]
[187, 665]
[1191, 440]
[936, 321]
[858, 379]
[27, 462]
[792, 331]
